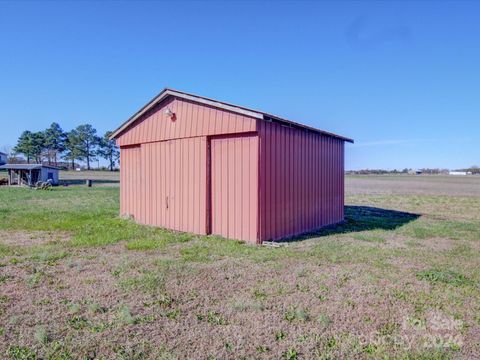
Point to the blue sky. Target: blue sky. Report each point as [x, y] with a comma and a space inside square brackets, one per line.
[401, 78]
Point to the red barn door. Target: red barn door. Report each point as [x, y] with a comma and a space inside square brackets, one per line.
[234, 187]
[174, 184]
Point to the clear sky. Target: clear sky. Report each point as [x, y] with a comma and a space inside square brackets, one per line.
[401, 78]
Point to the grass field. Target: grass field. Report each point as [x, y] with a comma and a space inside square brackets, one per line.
[98, 177]
[400, 279]
[79, 177]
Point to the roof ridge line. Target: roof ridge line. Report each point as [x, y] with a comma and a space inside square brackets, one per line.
[219, 104]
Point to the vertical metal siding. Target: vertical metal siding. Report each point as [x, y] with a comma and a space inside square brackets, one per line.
[234, 184]
[191, 119]
[301, 181]
[173, 187]
[281, 183]
[130, 181]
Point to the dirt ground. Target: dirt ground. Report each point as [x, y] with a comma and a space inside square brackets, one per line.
[386, 285]
[106, 302]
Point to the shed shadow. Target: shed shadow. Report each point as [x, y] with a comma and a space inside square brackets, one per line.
[362, 218]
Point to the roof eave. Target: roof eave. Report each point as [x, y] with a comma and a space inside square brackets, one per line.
[135, 116]
[214, 103]
[170, 92]
[306, 127]
[27, 167]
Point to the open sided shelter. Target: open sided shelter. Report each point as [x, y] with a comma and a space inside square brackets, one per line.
[199, 165]
[30, 174]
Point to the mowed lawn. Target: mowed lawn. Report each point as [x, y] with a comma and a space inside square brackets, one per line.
[400, 279]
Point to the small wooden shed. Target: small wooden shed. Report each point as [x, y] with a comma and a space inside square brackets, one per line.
[199, 165]
[30, 174]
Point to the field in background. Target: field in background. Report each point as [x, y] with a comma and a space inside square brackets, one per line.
[400, 279]
[79, 177]
[98, 177]
[449, 185]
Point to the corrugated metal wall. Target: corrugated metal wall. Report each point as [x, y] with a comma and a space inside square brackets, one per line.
[192, 119]
[234, 184]
[301, 181]
[293, 184]
[130, 180]
[173, 191]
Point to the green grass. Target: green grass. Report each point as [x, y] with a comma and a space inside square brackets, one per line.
[159, 239]
[455, 230]
[416, 253]
[369, 238]
[90, 215]
[6, 250]
[296, 314]
[21, 353]
[444, 276]
[150, 282]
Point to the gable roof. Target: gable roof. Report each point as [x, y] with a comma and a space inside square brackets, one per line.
[221, 105]
[2, 153]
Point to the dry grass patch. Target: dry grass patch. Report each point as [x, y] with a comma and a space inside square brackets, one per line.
[30, 238]
[401, 272]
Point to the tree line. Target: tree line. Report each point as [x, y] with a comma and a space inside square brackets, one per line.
[79, 144]
[435, 171]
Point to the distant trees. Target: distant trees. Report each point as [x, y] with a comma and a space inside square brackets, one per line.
[434, 171]
[24, 146]
[88, 142]
[429, 171]
[55, 139]
[31, 145]
[72, 147]
[80, 144]
[474, 169]
[109, 150]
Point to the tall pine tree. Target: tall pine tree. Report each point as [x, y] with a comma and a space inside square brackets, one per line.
[54, 142]
[88, 142]
[108, 150]
[31, 145]
[73, 149]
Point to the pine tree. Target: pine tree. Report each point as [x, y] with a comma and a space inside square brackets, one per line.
[31, 145]
[108, 150]
[24, 145]
[88, 142]
[73, 148]
[55, 139]
[38, 145]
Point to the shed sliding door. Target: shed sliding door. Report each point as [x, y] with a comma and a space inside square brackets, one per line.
[234, 187]
[175, 184]
[130, 181]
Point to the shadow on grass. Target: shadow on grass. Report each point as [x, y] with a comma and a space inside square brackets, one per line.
[362, 218]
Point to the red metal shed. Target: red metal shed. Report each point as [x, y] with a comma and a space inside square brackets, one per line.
[198, 165]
